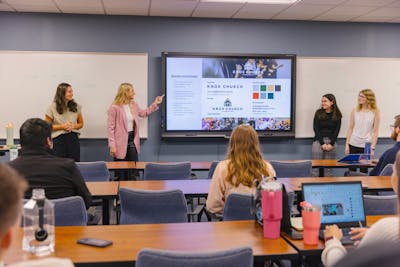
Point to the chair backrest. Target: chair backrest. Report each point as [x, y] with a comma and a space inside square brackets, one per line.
[376, 254]
[237, 257]
[94, 171]
[70, 211]
[170, 171]
[212, 169]
[238, 207]
[144, 206]
[292, 169]
[380, 205]
[387, 170]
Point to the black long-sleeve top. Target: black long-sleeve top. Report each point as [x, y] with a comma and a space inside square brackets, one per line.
[326, 127]
[59, 177]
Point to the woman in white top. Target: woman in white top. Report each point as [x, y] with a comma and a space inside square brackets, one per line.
[386, 229]
[65, 115]
[364, 125]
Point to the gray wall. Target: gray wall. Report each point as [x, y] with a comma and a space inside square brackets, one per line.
[91, 33]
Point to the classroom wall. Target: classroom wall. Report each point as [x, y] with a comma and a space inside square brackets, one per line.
[94, 33]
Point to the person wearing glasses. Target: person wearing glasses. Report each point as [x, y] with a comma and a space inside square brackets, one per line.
[389, 156]
[364, 125]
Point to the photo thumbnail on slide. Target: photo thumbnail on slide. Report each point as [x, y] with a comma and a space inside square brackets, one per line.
[251, 68]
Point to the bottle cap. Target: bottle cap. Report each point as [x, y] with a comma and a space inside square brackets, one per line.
[38, 193]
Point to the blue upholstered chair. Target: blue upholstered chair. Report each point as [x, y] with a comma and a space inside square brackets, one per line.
[292, 169]
[212, 169]
[95, 171]
[237, 257]
[380, 205]
[238, 207]
[387, 170]
[170, 171]
[70, 211]
[144, 206]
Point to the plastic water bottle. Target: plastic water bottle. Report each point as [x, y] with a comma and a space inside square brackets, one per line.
[38, 223]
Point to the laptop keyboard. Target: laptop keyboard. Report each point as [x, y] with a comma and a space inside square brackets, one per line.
[346, 240]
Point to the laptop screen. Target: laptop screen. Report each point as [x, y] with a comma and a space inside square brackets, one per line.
[340, 202]
[354, 158]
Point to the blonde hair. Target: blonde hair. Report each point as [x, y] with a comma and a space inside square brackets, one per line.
[371, 100]
[245, 159]
[122, 94]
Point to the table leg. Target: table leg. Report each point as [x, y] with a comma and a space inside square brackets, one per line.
[106, 211]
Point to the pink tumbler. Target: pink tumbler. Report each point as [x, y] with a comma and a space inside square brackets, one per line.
[311, 223]
[271, 205]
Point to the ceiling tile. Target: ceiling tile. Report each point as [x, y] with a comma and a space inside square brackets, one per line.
[259, 11]
[178, 8]
[395, 4]
[33, 6]
[390, 12]
[344, 13]
[303, 11]
[127, 7]
[5, 7]
[325, 2]
[80, 6]
[216, 10]
[376, 3]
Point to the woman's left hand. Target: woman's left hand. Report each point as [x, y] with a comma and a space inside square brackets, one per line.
[159, 99]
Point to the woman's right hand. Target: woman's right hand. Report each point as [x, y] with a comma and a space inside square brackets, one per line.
[358, 233]
[113, 151]
[67, 126]
[347, 150]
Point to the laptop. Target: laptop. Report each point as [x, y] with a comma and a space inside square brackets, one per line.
[354, 158]
[341, 203]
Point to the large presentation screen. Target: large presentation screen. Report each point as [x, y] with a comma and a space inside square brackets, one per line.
[209, 95]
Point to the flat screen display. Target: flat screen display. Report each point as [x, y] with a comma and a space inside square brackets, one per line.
[209, 95]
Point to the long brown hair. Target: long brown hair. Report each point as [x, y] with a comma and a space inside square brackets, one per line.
[336, 114]
[59, 99]
[245, 159]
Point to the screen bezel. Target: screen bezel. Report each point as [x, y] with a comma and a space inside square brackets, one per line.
[225, 134]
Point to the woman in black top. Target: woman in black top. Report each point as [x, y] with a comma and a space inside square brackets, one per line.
[327, 121]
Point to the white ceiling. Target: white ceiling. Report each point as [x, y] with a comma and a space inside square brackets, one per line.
[314, 10]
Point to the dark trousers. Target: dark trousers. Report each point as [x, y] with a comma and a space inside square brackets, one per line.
[131, 155]
[357, 150]
[67, 146]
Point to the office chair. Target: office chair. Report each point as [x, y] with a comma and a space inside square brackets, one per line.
[70, 211]
[144, 206]
[95, 171]
[236, 257]
[167, 171]
[238, 207]
[292, 169]
[380, 205]
[212, 169]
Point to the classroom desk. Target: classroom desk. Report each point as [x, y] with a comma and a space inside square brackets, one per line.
[205, 166]
[105, 191]
[368, 182]
[315, 250]
[128, 240]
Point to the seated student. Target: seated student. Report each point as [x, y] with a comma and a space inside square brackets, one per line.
[12, 187]
[386, 229]
[59, 177]
[238, 173]
[389, 155]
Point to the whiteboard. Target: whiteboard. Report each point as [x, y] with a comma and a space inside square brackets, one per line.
[345, 77]
[29, 81]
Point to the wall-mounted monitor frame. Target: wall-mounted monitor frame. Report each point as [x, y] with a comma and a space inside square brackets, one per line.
[208, 95]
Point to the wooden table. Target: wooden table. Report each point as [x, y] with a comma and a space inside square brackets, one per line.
[368, 182]
[205, 166]
[128, 240]
[315, 250]
[105, 191]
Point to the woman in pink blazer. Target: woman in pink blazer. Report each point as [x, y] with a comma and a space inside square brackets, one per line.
[123, 123]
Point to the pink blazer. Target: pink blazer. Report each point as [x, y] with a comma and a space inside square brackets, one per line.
[117, 127]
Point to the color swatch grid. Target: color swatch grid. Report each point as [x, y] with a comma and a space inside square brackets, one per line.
[265, 91]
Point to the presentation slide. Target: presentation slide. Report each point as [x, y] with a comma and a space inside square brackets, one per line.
[217, 94]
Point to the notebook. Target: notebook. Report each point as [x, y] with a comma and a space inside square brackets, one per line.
[341, 203]
[354, 158]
